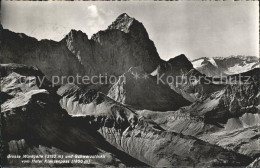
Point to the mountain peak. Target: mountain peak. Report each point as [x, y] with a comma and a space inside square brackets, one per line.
[123, 16]
[178, 57]
[74, 36]
[75, 33]
[123, 22]
[180, 61]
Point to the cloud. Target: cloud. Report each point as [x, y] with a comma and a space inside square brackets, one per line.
[93, 11]
[96, 19]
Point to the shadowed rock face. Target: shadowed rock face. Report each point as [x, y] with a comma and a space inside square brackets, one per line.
[145, 92]
[124, 44]
[51, 57]
[176, 66]
[113, 51]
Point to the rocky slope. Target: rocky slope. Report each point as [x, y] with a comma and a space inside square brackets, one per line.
[225, 65]
[228, 117]
[238, 134]
[140, 137]
[139, 90]
[97, 125]
[232, 101]
[34, 123]
[180, 75]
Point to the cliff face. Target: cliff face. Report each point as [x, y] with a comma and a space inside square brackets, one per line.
[176, 66]
[140, 90]
[123, 45]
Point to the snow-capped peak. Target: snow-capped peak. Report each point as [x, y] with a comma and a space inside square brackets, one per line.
[213, 62]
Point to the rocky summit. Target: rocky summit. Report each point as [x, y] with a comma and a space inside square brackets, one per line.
[136, 121]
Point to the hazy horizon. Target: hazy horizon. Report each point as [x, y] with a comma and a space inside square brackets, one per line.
[196, 29]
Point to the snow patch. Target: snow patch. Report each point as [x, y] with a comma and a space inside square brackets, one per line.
[239, 69]
[246, 120]
[155, 72]
[213, 62]
[197, 63]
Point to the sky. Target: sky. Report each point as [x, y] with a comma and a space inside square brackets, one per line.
[196, 29]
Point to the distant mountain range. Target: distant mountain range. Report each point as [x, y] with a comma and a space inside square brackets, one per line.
[226, 65]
